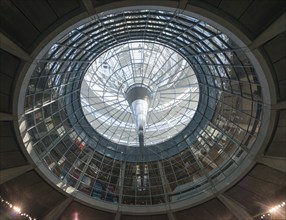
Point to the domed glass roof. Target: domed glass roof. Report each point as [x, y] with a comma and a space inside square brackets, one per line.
[203, 116]
[168, 76]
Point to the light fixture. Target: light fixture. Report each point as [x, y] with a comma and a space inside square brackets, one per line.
[15, 208]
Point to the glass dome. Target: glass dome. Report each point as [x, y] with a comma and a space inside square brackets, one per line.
[165, 73]
[204, 109]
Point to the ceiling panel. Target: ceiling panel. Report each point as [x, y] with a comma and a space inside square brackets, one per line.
[38, 12]
[12, 159]
[268, 174]
[9, 63]
[64, 7]
[235, 8]
[262, 12]
[6, 129]
[30, 192]
[16, 25]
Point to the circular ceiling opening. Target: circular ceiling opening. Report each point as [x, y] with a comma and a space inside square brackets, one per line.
[173, 86]
[162, 76]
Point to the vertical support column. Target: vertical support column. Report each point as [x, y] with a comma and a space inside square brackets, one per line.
[8, 174]
[166, 189]
[164, 179]
[56, 212]
[121, 181]
[182, 4]
[235, 208]
[170, 215]
[118, 216]
[120, 192]
[88, 6]
[84, 170]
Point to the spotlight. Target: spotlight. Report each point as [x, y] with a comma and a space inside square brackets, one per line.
[17, 209]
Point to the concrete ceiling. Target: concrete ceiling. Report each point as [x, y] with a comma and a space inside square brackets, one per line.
[25, 26]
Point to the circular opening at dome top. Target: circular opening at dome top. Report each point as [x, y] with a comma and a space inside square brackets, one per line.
[165, 73]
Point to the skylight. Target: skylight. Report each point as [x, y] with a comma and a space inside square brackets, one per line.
[170, 78]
